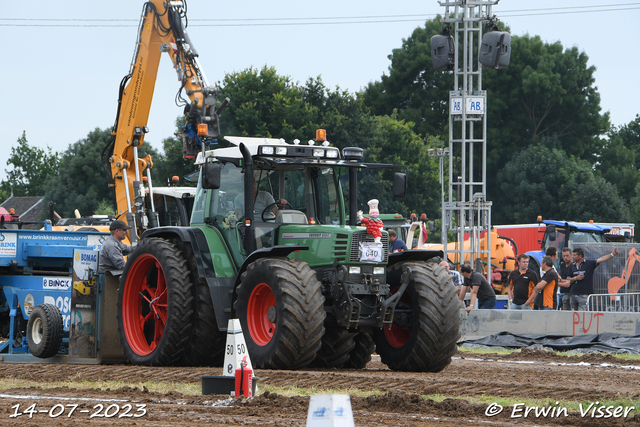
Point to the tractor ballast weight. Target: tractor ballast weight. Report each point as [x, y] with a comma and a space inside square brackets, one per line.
[294, 273]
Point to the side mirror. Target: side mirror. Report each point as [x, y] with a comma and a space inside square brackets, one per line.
[211, 176]
[432, 226]
[399, 185]
[551, 231]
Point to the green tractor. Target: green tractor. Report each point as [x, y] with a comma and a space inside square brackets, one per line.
[271, 242]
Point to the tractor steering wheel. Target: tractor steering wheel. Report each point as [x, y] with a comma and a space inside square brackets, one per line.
[270, 206]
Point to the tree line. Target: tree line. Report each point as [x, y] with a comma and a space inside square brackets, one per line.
[551, 149]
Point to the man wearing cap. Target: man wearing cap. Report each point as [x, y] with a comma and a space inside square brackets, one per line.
[113, 250]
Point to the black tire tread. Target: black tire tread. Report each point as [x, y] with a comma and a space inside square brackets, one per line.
[207, 343]
[362, 350]
[301, 330]
[438, 322]
[337, 345]
[178, 328]
[53, 329]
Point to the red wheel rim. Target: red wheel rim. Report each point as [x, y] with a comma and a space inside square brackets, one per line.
[398, 336]
[144, 304]
[261, 328]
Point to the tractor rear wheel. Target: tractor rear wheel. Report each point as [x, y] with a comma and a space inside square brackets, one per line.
[155, 304]
[207, 344]
[44, 331]
[426, 324]
[280, 306]
[362, 350]
[337, 344]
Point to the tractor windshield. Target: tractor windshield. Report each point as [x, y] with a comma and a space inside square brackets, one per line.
[311, 193]
[575, 238]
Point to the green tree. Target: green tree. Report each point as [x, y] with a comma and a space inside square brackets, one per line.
[395, 142]
[32, 168]
[412, 86]
[546, 181]
[83, 182]
[265, 104]
[547, 91]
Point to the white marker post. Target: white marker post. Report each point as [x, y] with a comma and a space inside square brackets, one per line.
[330, 410]
[236, 350]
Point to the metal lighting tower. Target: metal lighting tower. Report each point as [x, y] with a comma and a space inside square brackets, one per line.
[461, 49]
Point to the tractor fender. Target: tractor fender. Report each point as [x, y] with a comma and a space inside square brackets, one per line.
[414, 255]
[192, 236]
[275, 251]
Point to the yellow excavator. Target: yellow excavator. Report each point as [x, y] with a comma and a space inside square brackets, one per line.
[161, 30]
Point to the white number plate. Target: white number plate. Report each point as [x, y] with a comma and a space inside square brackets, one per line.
[371, 252]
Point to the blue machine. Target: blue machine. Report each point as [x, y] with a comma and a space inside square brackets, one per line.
[36, 267]
[566, 233]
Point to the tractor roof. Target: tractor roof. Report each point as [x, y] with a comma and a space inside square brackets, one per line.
[579, 226]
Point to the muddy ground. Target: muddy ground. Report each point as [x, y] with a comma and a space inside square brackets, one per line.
[529, 374]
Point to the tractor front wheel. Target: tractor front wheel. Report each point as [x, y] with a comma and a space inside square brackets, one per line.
[280, 306]
[155, 304]
[426, 323]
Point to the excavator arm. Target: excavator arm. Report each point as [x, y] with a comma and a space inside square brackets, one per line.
[161, 30]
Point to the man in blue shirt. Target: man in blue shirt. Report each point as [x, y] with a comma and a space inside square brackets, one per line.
[395, 243]
[581, 277]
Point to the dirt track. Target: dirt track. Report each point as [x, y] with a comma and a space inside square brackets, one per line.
[530, 374]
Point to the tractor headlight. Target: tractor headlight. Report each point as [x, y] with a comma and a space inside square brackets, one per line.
[354, 270]
[318, 152]
[268, 151]
[378, 270]
[332, 154]
[281, 151]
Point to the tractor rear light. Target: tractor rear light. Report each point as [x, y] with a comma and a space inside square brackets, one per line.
[354, 270]
[203, 129]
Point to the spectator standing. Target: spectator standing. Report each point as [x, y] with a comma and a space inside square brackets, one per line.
[458, 280]
[395, 243]
[547, 286]
[521, 284]
[481, 289]
[581, 277]
[553, 253]
[564, 297]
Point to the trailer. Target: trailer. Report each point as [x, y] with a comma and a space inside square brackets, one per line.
[54, 307]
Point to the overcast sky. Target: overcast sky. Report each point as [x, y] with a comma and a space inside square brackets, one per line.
[63, 61]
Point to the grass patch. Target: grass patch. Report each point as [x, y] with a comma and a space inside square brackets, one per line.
[291, 391]
[158, 387]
